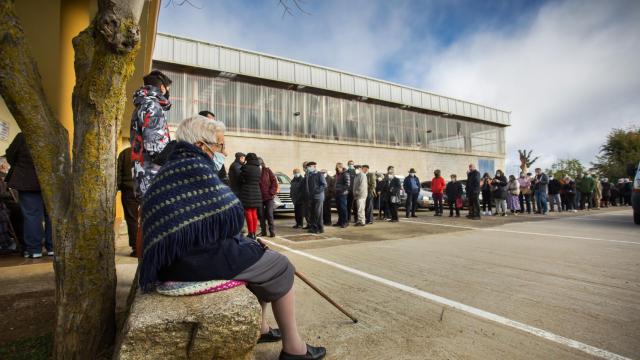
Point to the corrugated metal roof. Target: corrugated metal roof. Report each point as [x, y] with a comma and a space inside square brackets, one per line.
[178, 50]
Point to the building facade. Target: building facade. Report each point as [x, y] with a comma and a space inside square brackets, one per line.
[289, 112]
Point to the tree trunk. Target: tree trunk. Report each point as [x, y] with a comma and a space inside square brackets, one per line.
[79, 195]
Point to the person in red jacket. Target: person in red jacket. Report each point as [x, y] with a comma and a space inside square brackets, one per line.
[437, 189]
[268, 189]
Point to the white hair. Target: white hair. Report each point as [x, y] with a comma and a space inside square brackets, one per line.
[199, 128]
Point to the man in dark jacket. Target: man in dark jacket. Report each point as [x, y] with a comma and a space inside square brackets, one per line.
[412, 189]
[268, 190]
[316, 185]
[351, 209]
[23, 178]
[149, 128]
[234, 173]
[329, 193]
[585, 185]
[371, 189]
[541, 189]
[473, 192]
[606, 191]
[454, 192]
[128, 198]
[554, 194]
[297, 197]
[343, 183]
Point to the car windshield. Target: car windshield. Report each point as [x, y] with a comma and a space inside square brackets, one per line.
[283, 179]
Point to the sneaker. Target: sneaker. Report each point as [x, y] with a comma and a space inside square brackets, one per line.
[50, 253]
[34, 256]
[25, 254]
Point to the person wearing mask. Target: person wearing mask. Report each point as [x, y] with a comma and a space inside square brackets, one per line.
[371, 194]
[343, 184]
[305, 196]
[351, 210]
[394, 188]
[606, 192]
[222, 173]
[205, 242]
[473, 192]
[487, 196]
[541, 187]
[35, 220]
[454, 195]
[268, 191]
[499, 191]
[130, 203]
[149, 128]
[360, 191]
[524, 181]
[297, 197]
[382, 189]
[329, 193]
[554, 194]
[234, 172]
[316, 185]
[586, 185]
[411, 186]
[569, 188]
[513, 192]
[250, 193]
[437, 189]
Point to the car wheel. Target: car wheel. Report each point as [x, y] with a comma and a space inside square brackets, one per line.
[636, 217]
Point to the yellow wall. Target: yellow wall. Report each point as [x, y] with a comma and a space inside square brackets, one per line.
[50, 26]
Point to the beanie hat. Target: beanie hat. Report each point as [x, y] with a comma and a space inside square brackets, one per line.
[186, 206]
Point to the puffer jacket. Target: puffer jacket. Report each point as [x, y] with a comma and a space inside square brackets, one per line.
[343, 183]
[513, 187]
[499, 187]
[453, 190]
[437, 185]
[250, 194]
[149, 135]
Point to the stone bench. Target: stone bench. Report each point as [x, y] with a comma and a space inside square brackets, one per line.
[222, 325]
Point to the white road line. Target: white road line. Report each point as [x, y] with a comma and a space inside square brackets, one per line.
[591, 350]
[523, 232]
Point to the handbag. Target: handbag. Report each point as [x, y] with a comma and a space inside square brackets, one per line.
[459, 203]
[394, 199]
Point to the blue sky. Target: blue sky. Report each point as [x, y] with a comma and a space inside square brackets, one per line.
[561, 67]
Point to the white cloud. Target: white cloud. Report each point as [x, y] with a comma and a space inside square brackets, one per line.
[568, 76]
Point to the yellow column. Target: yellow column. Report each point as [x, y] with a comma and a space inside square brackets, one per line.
[75, 16]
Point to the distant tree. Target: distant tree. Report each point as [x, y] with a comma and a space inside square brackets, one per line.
[525, 160]
[564, 167]
[620, 152]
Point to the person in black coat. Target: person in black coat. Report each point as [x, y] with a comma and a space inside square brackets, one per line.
[487, 196]
[316, 185]
[499, 192]
[298, 198]
[250, 194]
[343, 184]
[473, 192]
[394, 188]
[234, 172]
[454, 192]
[606, 192]
[23, 178]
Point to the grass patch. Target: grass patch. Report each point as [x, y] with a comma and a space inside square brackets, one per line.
[32, 348]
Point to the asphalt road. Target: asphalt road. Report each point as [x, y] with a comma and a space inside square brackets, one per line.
[565, 286]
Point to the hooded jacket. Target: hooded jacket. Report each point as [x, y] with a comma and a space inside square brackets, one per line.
[149, 135]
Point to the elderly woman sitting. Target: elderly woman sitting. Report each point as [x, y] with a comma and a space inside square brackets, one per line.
[191, 231]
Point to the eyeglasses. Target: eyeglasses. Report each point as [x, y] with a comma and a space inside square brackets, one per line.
[220, 145]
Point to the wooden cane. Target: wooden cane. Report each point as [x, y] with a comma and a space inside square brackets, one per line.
[320, 292]
[325, 296]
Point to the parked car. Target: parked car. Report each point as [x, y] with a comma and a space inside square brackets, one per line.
[635, 197]
[426, 186]
[282, 201]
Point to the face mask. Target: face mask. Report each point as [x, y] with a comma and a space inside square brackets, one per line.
[350, 167]
[296, 175]
[357, 171]
[311, 169]
[218, 160]
[412, 174]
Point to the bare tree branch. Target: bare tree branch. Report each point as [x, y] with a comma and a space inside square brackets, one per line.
[287, 8]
